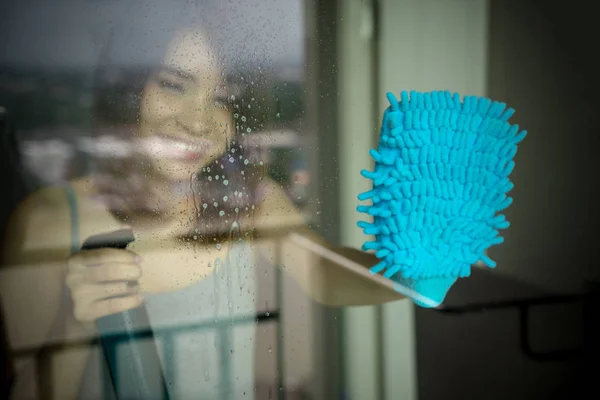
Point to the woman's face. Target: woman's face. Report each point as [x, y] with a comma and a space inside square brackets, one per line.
[184, 121]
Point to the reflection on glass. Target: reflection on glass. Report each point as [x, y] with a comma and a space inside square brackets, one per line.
[190, 135]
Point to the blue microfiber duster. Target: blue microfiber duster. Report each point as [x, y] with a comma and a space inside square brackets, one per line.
[440, 180]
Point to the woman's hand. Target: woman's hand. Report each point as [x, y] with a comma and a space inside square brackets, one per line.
[103, 282]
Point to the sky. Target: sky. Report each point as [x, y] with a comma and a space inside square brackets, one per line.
[68, 33]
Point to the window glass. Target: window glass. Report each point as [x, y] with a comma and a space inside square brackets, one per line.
[182, 180]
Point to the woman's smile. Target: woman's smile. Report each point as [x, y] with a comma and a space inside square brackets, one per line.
[177, 147]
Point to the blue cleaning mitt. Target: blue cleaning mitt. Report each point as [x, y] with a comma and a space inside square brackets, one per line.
[439, 182]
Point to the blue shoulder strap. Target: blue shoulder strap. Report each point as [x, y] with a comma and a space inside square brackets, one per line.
[73, 212]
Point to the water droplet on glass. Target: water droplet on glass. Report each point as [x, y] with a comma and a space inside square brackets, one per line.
[243, 118]
[225, 198]
[246, 161]
[221, 213]
[218, 246]
[248, 130]
[204, 205]
[225, 182]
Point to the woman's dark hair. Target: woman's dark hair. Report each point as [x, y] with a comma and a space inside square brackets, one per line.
[134, 50]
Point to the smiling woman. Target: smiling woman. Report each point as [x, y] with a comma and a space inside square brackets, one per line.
[186, 174]
[186, 115]
[172, 101]
[192, 195]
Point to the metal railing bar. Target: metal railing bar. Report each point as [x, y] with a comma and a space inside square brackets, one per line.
[146, 333]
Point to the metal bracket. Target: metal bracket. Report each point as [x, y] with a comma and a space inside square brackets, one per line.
[524, 306]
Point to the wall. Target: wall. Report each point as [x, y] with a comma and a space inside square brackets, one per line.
[540, 63]
[357, 127]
